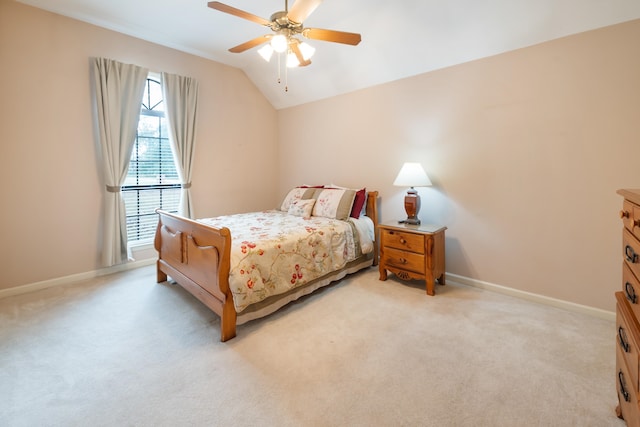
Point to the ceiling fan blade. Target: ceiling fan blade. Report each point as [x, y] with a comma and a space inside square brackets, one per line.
[251, 43]
[301, 9]
[332, 36]
[295, 48]
[237, 12]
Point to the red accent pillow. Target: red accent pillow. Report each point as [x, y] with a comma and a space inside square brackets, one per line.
[358, 203]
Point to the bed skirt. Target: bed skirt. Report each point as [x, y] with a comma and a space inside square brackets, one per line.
[275, 302]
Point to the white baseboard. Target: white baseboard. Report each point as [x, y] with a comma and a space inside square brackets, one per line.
[566, 305]
[4, 293]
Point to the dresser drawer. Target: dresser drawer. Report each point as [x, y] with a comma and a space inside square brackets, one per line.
[627, 339]
[626, 395]
[630, 215]
[627, 214]
[402, 240]
[631, 251]
[404, 260]
[631, 289]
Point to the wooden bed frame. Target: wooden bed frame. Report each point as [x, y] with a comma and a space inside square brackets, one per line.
[197, 256]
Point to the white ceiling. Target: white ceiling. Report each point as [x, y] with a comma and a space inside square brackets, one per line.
[399, 38]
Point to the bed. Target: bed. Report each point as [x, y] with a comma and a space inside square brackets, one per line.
[246, 266]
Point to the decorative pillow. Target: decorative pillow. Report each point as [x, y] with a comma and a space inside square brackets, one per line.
[298, 193]
[358, 203]
[302, 208]
[334, 203]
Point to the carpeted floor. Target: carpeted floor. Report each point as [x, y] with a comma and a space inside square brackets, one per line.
[122, 350]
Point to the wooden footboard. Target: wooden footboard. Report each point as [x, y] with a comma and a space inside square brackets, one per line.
[197, 256]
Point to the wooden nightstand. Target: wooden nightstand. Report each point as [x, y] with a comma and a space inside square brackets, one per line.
[412, 252]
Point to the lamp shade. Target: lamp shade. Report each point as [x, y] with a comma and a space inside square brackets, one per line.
[412, 175]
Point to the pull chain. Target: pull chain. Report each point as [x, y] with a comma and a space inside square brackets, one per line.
[286, 73]
[278, 68]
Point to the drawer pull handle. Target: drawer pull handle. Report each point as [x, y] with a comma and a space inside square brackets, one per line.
[630, 293]
[402, 261]
[630, 254]
[622, 339]
[624, 214]
[402, 240]
[623, 389]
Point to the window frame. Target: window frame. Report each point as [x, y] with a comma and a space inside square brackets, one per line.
[138, 237]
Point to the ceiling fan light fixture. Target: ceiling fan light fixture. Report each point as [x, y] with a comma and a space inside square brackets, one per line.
[286, 25]
[307, 50]
[266, 52]
[279, 43]
[292, 61]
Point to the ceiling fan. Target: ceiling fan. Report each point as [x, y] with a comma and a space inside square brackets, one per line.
[286, 25]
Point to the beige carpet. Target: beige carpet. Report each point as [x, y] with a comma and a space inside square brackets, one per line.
[124, 351]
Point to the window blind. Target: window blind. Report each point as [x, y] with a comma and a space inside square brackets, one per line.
[152, 180]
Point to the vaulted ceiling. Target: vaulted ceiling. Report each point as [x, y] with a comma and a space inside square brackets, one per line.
[399, 38]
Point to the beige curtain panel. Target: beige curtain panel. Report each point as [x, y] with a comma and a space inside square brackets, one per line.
[180, 96]
[118, 93]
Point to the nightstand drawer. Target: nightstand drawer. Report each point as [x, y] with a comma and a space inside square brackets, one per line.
[402, 240]
[404, 260]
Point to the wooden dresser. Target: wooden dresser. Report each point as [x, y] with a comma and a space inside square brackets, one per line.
[412, 252]
[628, 312]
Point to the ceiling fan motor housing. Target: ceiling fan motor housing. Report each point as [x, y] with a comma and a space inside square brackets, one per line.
[280, 22]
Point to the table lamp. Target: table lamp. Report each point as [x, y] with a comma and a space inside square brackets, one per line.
[412, 175]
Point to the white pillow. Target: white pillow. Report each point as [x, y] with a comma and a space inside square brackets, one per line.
[294, 194]
[302, 208]
[334, 203]
[360, 200]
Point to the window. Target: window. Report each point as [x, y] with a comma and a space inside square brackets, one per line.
[152, 181]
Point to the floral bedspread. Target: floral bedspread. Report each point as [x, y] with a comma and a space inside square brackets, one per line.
[272, 251]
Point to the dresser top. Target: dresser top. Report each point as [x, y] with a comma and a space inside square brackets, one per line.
[423, 228]
[632, 195]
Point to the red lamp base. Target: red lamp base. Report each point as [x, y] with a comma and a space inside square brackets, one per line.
[412, 207]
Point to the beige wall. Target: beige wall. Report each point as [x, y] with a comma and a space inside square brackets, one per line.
[525, 150]
[51, 193]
